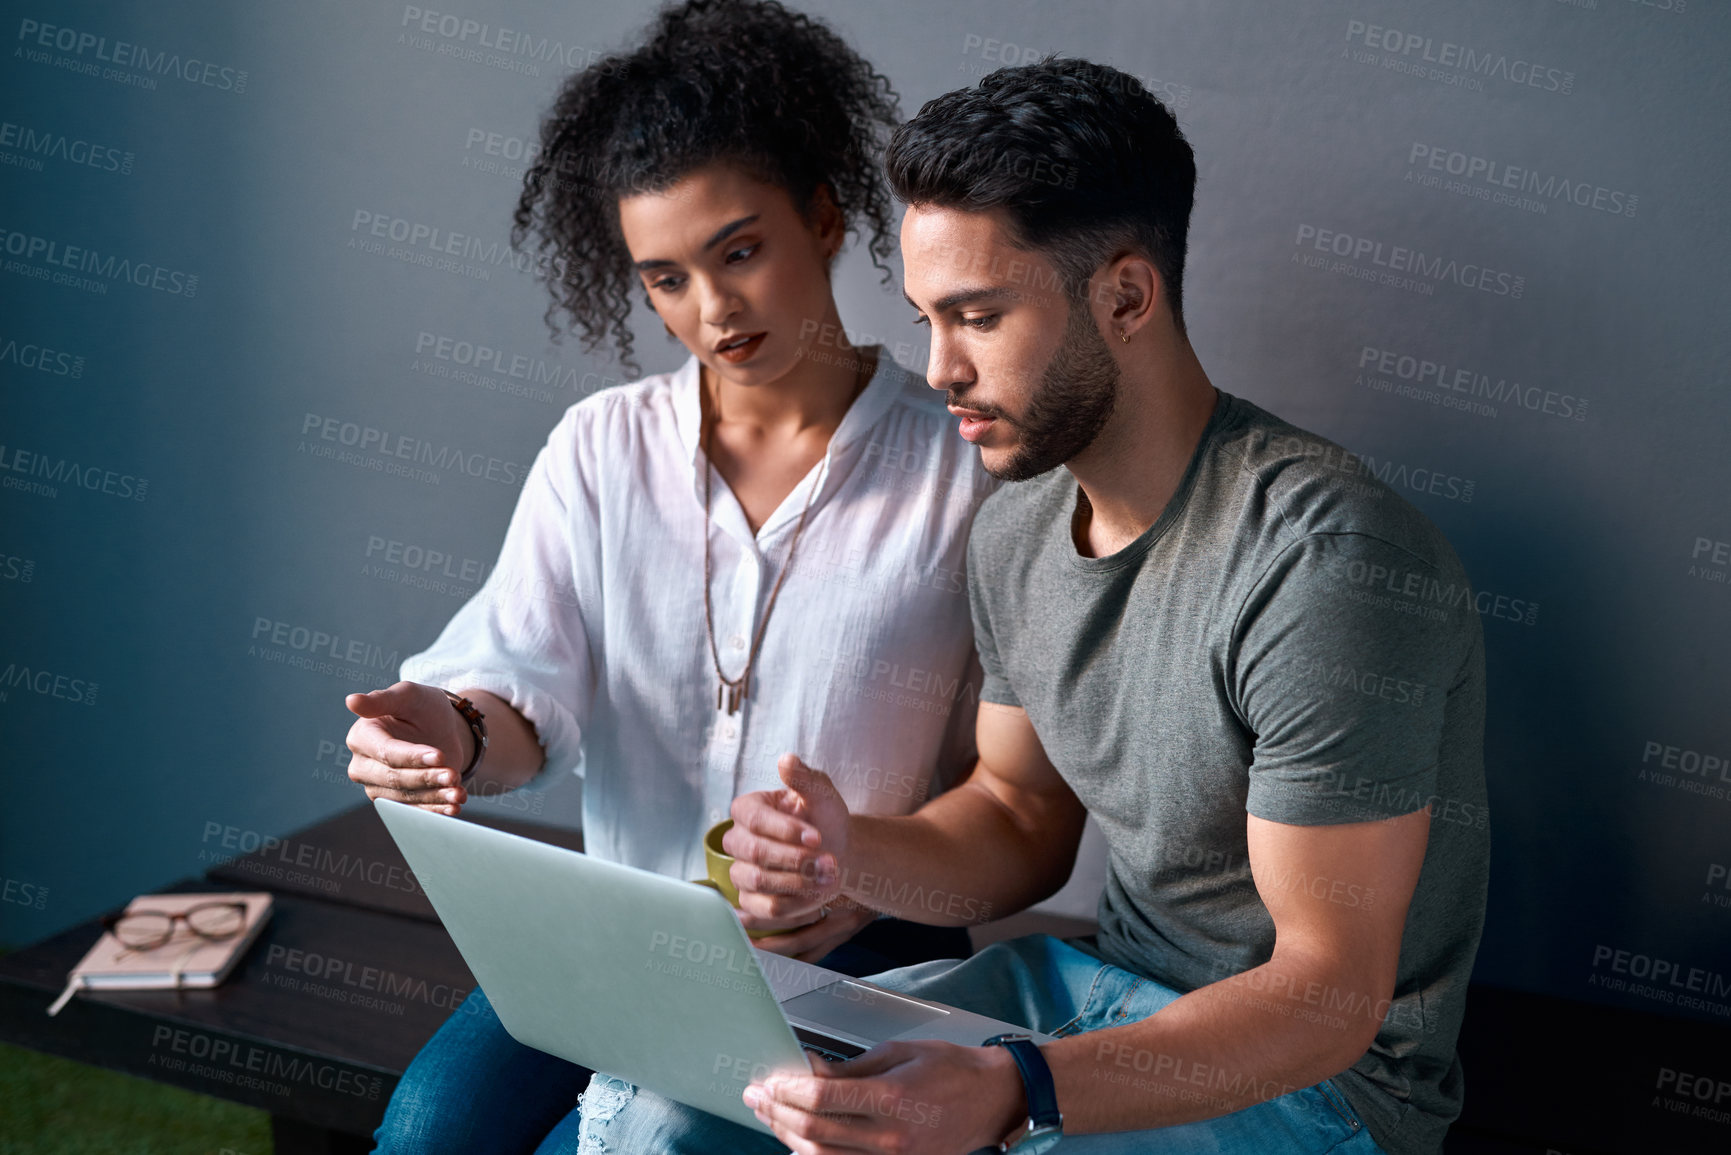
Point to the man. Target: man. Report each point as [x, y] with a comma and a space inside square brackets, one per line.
[1258, 669]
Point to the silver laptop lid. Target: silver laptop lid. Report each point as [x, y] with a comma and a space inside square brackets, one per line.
[647, 978]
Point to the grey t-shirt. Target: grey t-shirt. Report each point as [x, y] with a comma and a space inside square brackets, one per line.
[1293, 640]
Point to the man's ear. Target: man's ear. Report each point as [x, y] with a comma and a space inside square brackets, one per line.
[1135, 290]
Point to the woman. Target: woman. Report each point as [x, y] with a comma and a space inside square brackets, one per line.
[758, 553]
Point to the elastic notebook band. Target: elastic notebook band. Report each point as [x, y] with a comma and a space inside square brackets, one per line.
[72, 984]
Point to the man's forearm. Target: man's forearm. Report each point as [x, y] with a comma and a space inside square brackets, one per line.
[514, 753]
[963, 858]
[1266, 1032]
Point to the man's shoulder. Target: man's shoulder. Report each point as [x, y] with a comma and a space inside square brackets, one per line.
[1335, 539]
[1307, 486]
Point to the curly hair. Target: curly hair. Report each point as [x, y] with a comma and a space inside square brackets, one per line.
[740, 81]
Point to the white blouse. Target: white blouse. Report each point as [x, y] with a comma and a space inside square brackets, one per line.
[592, 624]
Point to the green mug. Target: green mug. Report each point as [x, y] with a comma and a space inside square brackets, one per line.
[720, 864]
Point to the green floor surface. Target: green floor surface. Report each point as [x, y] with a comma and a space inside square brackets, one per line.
[54, 1106]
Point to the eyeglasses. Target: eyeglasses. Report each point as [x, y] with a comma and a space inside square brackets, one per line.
[149, 929]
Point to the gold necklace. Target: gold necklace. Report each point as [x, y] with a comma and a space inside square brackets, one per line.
[735, 690]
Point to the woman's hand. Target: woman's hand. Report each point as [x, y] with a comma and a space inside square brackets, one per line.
[812, 941]
[410, 746]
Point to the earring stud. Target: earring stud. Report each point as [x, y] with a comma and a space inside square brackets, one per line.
[1124, 336]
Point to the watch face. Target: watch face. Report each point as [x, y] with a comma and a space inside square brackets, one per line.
[1038, 1140]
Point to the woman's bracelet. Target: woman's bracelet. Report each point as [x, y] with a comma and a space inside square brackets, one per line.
[477, 726]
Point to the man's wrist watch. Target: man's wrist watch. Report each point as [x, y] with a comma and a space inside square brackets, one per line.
[1045, 1125]
[477, 727]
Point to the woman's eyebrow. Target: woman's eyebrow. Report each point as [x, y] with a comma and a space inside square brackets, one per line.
[721, 234]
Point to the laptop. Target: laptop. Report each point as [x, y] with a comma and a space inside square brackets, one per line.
[648, 978]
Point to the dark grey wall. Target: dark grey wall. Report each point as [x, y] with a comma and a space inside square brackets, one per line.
[1481, 244]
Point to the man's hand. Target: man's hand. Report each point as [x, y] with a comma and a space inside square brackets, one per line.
[410, 746]
[922, 1098]
[788, 848]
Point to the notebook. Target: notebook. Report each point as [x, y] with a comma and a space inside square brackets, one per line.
[185, 960]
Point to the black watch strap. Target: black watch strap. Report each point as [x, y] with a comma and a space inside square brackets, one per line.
[1043, 1114]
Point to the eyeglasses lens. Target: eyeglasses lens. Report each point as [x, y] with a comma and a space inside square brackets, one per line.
[143, 931]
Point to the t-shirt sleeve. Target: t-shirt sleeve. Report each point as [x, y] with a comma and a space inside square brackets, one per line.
[523, 636]
[994, 686]
[1346, 650]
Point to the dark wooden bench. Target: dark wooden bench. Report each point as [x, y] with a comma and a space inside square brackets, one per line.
[354, 974]
[347, 982]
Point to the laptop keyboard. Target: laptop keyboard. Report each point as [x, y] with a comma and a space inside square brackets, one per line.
[831, 1050]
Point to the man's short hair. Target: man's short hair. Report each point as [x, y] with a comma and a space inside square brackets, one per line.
[1084, 160]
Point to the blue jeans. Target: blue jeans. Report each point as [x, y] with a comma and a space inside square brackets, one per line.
[474, 1090]
[1041, 983]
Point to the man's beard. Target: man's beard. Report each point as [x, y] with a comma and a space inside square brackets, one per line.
[1068, 408]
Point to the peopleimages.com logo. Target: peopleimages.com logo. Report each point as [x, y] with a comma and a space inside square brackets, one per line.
[19, 676]
[34, 145]
[370, 447]
[48, 258]
[41, 358]
[495, 45]
[1372, 259]
[1426, 374]
[42, 474]
[87, 53]
[1448, 62]
[1518, 186]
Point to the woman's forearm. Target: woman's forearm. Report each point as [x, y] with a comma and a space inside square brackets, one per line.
[514, 752]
